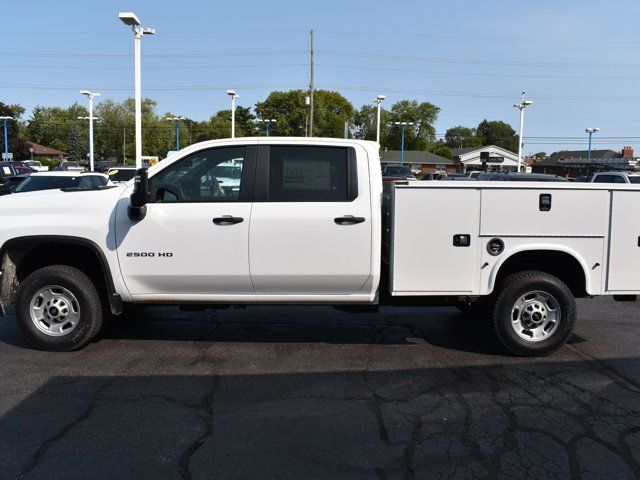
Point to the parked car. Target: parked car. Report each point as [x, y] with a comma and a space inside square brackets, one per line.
[444, 176]
[616, 177]
[9, 177]
[35, 165]
[474, 174]
[121, 174]
[57, 179]
[68, 166]
[398, 171]
[520, 177]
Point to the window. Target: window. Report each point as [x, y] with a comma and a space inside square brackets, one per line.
[607, 179]
[213, 175]
[311, 174]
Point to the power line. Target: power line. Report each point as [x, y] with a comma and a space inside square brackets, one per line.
[151, 55]
[168, 67]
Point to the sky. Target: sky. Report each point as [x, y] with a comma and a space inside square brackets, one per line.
[577, 61]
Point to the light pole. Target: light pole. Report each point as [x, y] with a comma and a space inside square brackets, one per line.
[90, 96]
[590, 131]
[403, 125]
[130, 19]
[267, 123]
[176, 120]
[378, 100]
[233, 95]
[5, 119]
[521, 106]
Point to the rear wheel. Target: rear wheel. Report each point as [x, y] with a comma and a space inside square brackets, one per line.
[58, 308]
[533, 314]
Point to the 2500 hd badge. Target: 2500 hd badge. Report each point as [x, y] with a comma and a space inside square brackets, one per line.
[149, 254]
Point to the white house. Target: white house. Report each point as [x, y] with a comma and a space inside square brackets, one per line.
[489, 158]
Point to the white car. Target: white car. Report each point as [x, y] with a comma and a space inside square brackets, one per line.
[61, 179]
[616, 177]
[36, 165]
[228, 175]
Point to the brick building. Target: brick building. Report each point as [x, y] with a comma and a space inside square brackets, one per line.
[575, 163]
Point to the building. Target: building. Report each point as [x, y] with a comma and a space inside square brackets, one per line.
[419, 161]
[575, 163]
[40, 151]
[488, 158]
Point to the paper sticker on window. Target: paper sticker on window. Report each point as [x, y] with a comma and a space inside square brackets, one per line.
[307, 175]
[6, 170]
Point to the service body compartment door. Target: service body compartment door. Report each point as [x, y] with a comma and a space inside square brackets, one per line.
[624, 243]
[426, 224]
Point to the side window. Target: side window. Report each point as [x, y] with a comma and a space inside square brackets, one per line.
[97, 181]
[311, 174]
[603, 179]
[618, 179]
[85, 183]
[213, 175]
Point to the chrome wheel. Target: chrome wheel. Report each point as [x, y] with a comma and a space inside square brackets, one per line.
[54, 310]
[535, 316]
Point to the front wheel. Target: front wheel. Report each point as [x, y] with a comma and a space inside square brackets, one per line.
[533, 313]
[58, 308]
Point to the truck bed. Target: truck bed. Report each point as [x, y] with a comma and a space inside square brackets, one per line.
[596, 224]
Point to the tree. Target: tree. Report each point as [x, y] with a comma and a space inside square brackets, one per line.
[539, 155]
[365, 122]
[77, 146]
[498, 133]
[417, 136]
[443, 151]
[462, 137]
[331, 111]
[17, 144]
[50, 126]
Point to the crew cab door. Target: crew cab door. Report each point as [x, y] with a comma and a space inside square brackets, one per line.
[311, 230]
[193, 242]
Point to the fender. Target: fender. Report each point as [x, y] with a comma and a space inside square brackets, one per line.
[539, 246]
[8, 282]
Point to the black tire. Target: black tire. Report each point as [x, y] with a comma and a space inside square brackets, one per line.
[503, 310]
[89, 319]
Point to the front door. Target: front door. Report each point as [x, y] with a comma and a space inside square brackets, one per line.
[311, 231]
[194, 239]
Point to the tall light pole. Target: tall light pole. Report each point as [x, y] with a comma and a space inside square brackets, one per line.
[90, 96]
[5, 119]
[521, 106]
[176, 120]
[267, 123]
[130, 19]
[378, 100]
[233, 95]
[403, 125]
[590, 131]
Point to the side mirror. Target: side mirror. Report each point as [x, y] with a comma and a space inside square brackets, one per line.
[140, 196]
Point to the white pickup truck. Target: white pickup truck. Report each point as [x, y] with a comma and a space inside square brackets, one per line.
[309, 224]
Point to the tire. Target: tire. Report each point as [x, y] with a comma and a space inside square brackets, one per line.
[533, 314]
[58, 309]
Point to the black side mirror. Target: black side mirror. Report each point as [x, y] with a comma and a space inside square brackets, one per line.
[140, 195]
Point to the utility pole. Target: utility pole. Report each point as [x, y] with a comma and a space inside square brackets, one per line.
[311, 89]
[521, 106]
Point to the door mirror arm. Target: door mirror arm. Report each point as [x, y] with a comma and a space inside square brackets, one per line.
[140, 196]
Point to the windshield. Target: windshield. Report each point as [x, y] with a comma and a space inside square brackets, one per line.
[33, 183]
[121, 175]
[397, 171]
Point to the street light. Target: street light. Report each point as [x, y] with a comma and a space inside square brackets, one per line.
[5, 119]
[233, 95]
[130, 19]
[378, 100]
[267, 123]
[404, 126]
[177, 122]
[90, 96]
[521, 106]
[590, 131]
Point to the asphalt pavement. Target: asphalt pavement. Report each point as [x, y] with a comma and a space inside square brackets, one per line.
[313, 393]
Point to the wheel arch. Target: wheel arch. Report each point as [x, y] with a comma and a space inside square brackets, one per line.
[560, 261]
[20, 256]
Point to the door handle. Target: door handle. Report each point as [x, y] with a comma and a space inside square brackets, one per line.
[348, 220]
[227, 220]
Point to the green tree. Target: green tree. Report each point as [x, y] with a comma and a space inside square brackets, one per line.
[331, 111]
[50, 126]
[417, 136]
[17, 143]
[462, 137]
[365, 122]
[498, 133]
[539, 155]
[443, 151]
[77, 146]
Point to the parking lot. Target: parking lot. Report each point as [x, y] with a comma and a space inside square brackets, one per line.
[268, 392]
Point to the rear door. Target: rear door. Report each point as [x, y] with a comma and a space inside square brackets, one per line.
[311, 231]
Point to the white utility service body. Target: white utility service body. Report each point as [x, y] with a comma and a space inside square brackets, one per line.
[310, 225]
